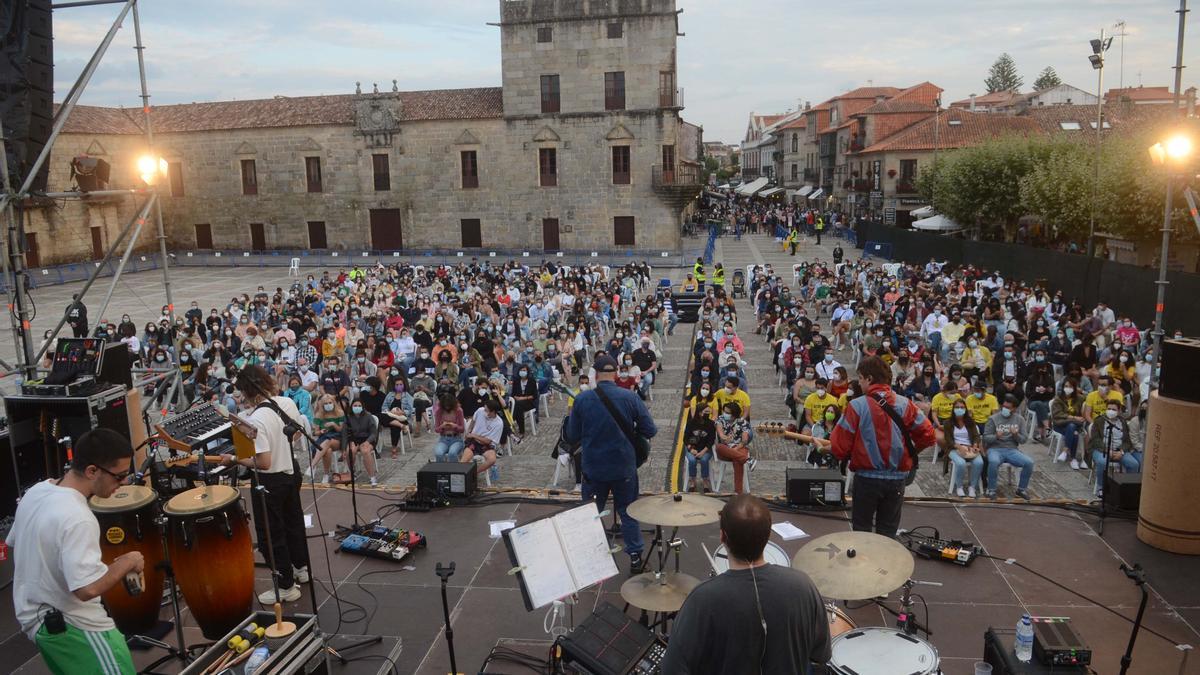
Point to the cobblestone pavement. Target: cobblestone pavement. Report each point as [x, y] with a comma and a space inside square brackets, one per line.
[141, 295]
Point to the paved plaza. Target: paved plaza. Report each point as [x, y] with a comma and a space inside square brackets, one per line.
[141, 296]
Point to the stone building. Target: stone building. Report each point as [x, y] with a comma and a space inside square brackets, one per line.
[582, 148]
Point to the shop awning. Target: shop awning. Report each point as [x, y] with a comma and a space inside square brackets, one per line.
[936, 224]
[923, 212]
[803, 192]
[816, 194]
[770, 191]
[753, 186]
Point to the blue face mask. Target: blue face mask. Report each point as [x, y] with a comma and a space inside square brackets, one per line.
[1006, 412]
[959, 412]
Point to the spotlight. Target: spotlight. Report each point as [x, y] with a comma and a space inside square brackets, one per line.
[151, 168]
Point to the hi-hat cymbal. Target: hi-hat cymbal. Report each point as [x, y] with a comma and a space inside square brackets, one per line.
[855, 565]
[655, 593]
[676, 510]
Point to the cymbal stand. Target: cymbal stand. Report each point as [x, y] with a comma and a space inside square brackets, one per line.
[180, 651]
[905, 619]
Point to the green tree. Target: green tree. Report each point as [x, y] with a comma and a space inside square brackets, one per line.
[980, 185]
[1046, 79]
[1002, 76]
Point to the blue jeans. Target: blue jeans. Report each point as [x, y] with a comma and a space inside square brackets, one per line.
[935, 342]
[1041, 409]
[645, 383]
[672, 320]
[1070, 434]
[959, 464]
[1131, 461]
[702, 460]
[448, 449]
[624, 492]
[1013, 456]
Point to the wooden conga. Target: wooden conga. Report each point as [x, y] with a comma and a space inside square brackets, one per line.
[128, 523]
[1167, 516]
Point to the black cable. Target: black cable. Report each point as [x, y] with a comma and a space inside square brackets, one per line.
[1097, 603]
[928, 628]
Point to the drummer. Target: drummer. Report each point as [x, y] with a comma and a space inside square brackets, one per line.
[58, 576]
[754, 618]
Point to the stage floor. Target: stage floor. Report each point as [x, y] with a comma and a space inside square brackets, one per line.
[403, 604]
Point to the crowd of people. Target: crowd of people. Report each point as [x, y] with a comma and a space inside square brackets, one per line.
[372, 356]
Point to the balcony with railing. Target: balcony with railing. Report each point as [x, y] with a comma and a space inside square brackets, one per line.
[670, 98]
[677, 185]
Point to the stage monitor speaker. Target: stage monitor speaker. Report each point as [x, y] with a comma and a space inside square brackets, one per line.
[815, 487]
[116, 366]
[1180, 362]
[455, 481]
[1123, 491]
[26, 85]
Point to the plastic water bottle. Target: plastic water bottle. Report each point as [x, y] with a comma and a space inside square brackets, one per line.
[1024, 643]
[256, 659]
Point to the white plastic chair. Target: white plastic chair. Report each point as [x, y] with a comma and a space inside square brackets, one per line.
[487, 477]
[719, 474]
[1056, 441]
[294, 268]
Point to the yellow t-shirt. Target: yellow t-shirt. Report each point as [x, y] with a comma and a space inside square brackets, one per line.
[816, 405]
[971, 357]
[739, 397]
[942, 405]
[1098, 404]
[982, 408]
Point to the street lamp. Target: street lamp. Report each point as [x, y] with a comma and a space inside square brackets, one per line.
[151, 168]
[1173, 154]
[1099, 46]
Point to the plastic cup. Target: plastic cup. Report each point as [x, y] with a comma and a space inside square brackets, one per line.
[983, 668]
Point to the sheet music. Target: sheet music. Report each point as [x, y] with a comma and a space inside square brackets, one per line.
[546, 573]
[585, 545]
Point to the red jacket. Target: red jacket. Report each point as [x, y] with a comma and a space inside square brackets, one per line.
[865, 429]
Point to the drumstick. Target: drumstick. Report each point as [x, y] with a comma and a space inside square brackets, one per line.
[216, 665]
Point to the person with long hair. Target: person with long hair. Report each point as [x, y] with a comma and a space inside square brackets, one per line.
[276, 508]
[449, 423]
[963, 446]
[699, 436]
[329, 421]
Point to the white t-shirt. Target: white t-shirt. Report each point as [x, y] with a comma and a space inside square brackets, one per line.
[55, 543]
[270, 436]
[491, 429]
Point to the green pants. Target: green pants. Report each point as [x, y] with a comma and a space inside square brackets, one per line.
[81, 652]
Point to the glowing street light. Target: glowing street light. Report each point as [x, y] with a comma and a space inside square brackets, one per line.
[1173, 153]
[1176, 150]
[151, 168]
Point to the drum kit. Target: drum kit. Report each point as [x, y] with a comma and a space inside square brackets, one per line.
[843, 566]
[198, 541]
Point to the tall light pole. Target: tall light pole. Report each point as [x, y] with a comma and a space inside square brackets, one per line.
[1097, 58]
[1176, 150]
[1120, 25]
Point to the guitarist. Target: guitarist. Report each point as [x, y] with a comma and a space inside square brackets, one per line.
[604, 422]
[880, 433]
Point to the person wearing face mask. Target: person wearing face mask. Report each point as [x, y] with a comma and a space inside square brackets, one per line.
[733, 439]
[1067, 418]
[700, 436]
[361, 368]
[1111, 440]
[963, 446]
[981, 404]
[827, 366]
[1003, 435]
[1094, 404]
[362, 435]
[300, 396]
[816, 403]
[524, 391]
[397, 409]
[731, 392]
[1122, 368]
[1039, 391]
[976, 359]
[329, 421]
[705, 372]
[924, 387]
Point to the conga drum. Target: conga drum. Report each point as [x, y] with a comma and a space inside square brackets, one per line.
[209, 543]
[127, 523]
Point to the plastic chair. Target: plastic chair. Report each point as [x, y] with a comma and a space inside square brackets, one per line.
[719, 473]
[294, 268]
[487, 475]
[1056, 441]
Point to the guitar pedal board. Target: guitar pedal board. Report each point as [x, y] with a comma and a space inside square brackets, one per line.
[381, 542]
[953, 551]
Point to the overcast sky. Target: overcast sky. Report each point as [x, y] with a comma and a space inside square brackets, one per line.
[737, 56]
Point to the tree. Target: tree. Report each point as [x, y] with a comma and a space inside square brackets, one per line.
[1046, 79]
[1003, 75]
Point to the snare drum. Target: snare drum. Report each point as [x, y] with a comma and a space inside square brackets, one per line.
[839, 621]
[127, 523]
[773, 554]
[209, 542]
[882, 651]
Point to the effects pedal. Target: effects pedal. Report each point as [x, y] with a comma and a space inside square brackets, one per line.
[953, 551]
[382, 543]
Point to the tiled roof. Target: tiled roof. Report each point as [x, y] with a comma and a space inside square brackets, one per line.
[800, 122]
[285, 111]
[994, 98]
[869, 93]
[1119, 117]
[1140, 94]
[768, 120]
[969, 129]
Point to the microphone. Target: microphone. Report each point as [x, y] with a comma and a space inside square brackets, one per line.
[136, 477]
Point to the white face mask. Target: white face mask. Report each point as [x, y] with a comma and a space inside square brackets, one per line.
[1068, 390]
[1111, 414]
[328, 407]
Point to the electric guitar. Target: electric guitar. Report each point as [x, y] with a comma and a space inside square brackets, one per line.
[779, 430]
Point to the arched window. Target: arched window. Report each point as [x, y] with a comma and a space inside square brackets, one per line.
[795, 143]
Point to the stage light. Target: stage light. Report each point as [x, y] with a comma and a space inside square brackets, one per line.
[151, 168]
[1175, 149]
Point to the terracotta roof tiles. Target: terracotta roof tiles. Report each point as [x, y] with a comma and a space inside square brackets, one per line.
[967, 129]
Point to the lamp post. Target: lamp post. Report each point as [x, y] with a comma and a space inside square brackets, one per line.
[1097, 58]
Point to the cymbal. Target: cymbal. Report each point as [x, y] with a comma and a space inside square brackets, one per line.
[854, 565]
[653, 594]
[676, 510]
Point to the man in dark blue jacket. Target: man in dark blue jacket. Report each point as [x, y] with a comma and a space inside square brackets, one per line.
[609, 459]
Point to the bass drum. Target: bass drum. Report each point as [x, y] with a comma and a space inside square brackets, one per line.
[882, 651]
[209, 542]
[128, 522]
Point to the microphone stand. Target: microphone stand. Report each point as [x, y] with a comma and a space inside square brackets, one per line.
[445, 572]
[1138, 576]
[1104, 480]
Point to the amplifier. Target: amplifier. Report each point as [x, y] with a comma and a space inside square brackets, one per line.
[1055, 643]
[447, 480]
[610, 643]
[815, 487]
[116, 366]
[1123, 491]
[1181, 362]
[998, 651]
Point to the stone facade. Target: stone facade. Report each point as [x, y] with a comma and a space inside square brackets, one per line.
[423, 136]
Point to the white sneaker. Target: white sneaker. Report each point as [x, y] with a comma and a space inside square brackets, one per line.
[959, 491]
[374, 482]
[292, 594]
[329, 479]
[1075, 464]
[301, 574]
[971, 492]
[751, 463]
[1062, 456]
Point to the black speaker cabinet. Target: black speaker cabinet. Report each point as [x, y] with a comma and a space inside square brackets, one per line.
[115, 367]
[1123, 491]
[1180, 364]
[455, 481]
